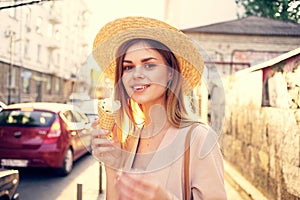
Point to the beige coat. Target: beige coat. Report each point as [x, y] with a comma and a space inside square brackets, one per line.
[206, 164]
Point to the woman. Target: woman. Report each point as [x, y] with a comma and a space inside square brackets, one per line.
[154, 66]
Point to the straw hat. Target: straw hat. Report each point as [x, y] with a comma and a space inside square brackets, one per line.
[114, 33]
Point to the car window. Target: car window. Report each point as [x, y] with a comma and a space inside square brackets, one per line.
[79, 116]
[26, 118]
[69, 116]
[84, 117]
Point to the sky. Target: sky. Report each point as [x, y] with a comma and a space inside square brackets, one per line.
[181, 13]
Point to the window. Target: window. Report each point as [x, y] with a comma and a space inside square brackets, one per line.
[12, 78]
[57, 86]
[39, 22]
[39, 48]
[69, 116]
[265, 95]
[49, 85]
[26, 84]
[20, 118]
[27, 18]
[50, 30]
[26, 48]
[57, 35]
[58, 59]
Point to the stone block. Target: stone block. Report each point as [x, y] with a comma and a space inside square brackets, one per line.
[264, 160]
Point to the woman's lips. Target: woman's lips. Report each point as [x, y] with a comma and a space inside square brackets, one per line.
[140, 88]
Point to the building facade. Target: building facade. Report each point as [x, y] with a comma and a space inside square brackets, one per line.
[239, 44]
[42, 48]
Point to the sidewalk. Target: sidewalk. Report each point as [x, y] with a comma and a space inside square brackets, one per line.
[90, 186]
[237, 187]
[237, 184]
[89, 181]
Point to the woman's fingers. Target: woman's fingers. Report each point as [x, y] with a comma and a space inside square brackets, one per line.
[139, 186]
[101, 141]
[105, 146]
[133, 186]
[103, 152]
[100, 133]
[95, 123]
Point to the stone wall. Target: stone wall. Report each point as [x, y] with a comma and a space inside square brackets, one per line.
[263, 143]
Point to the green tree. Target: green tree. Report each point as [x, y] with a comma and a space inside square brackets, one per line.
[287, 10]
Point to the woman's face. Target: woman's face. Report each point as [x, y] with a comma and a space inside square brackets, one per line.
[145, 74]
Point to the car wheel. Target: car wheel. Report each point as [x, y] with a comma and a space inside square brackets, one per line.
[67, 165]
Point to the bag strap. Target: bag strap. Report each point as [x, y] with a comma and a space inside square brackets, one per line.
[186, 164]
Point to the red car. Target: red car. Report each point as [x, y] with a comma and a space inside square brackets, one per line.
[43, 135]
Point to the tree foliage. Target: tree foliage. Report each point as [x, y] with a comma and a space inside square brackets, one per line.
[287, 10]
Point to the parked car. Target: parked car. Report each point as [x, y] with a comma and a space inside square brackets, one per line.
[2, 105]
[43, 135]
[9, 181]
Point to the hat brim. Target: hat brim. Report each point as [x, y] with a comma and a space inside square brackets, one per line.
[188, 56]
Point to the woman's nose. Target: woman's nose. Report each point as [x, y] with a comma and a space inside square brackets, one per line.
[138, 72]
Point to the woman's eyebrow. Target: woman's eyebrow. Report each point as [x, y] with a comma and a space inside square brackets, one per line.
[127, 61]
[148, 59]
[143, 60]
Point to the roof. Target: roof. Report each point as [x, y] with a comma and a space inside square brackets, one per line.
[271, 62]
[252, 25]
[54, 107]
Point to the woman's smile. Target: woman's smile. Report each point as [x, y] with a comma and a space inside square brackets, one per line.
[140, 88]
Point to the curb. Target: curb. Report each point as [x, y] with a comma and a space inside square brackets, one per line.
[241, 185]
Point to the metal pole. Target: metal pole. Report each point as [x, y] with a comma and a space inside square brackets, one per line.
[79, 191]
[100, 178]
[10, 66]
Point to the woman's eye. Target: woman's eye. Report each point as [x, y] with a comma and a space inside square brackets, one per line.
[127, 68]
[149, 66]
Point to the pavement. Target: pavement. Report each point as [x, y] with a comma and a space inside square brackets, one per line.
[86, 185]
[237, 184]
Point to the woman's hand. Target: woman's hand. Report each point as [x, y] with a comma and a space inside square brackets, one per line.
[139, 186]
[106, 146]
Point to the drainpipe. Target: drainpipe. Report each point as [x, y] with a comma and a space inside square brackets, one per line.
[12, 37]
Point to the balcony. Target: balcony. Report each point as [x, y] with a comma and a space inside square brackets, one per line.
[53, 44]
[54, 17]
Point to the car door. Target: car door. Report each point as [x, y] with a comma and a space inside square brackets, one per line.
[72, 130]
[83, 136]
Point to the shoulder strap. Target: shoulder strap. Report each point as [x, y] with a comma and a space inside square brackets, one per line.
[186, 164]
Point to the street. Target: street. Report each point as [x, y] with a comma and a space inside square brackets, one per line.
[36, 184]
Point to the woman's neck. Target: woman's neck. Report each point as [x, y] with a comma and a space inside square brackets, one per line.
[155, 120]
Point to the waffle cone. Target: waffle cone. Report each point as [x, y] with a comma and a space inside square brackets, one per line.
[106, 119]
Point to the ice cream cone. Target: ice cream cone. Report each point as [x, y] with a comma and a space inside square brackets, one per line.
[107, 120]
[107, 114]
